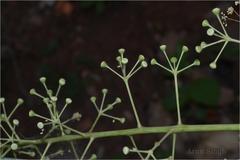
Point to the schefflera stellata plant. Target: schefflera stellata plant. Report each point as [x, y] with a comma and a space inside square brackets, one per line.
[125, 77]
[222, 35]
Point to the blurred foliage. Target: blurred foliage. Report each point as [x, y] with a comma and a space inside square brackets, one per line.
[99, 6]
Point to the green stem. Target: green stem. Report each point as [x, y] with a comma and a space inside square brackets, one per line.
[87, 147]
[234, 40]
[95, 122]
[177, 97]
[74, 150]
[45, 151]
[139, 125]
[137, 131]
[173, 146]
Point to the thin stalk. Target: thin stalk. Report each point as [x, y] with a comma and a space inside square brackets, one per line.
[139, 125]
[45, 151]
[177, 97]
[173, 146]
[94, 123]
[87, 147]
[74, 150]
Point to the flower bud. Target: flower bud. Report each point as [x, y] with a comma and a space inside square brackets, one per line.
[14, 146]
[153, 61]
[54, 99]
[203, 44]
[205, 23]
[141, 57]
[196, 62]
[31, 113]
[104, 91]
[2, 100]
[68, 100]
[213, 65]
[163, 47]
[173, 59]
[20, 101]
[32, 91]
[216, 11]
[40, 125]
[144, 64]
[124, 61]
[62, 82]
[93, 99]
[126, 150]
[42, 79]
[46, 100]
[184, 48]
[76, 116]
[103, 64]
[210, 32]
[122, 120]
[118, 100]
[198, 49]
[121, 50]
[16, 122]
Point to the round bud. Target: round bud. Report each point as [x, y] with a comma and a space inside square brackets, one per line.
[40, 125]
[184, 48]
[163, 47]
[118, 100]
[68, 100]
[118, 58]
[153, 61]
[42, 79]
[213, 65]
[14, 146]
[2, 117]
[198, 49]
[54, 98]
[49, 92]
[144, 64]
[124, 61]
[173, 59]
[216, 11]
[16, 122]
[31, 113]
[126, 150]
[2, 100]
[32, 91]
[103, 64]
[45, 100]
[121, 50]
[76, 116]
[62, 81]
[141, 57]
[210, 32]
[93, 157]
[196, 62]
[104, 91]
[122, 120]
[205, 23]
[203, 44]
[20, 101]
[32, 154]
[93, 99]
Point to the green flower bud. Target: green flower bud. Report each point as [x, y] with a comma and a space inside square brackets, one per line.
[184, 48]
[93, 157]
[76, 116]
[205, 23]
[42, 79]
[93, 99]
[16, 122]
[103, 64]
[126, 150]
[14, 146]
[144, 64]
[122, 120]
[32, 91]
[124, 61]
[163, 47]
[198, 49]
[54, 99]
[62, 81]
[20, 101]
[2, 100]
[173, 59]
[196, 62]
[104, 91]
[141, 57]
[68, 100]
[210, 32]
[40, 125]
[118, 58]
[118, 100]
[216, 11]
[46, 100]
[213, 65]
[153, 61]
[31, 113]
[203, 44]
[49, 92]
[121, 50]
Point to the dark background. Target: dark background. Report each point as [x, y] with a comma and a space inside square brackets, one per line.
[70, 39]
